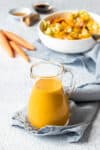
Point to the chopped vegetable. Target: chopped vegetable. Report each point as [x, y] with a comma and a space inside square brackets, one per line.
[72, 25]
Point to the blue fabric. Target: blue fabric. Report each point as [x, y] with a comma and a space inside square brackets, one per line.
[80, 119]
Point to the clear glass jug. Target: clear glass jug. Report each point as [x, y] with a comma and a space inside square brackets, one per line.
[48, 103]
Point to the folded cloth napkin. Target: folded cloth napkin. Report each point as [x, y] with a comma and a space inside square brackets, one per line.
[81, 118]
[85, 68]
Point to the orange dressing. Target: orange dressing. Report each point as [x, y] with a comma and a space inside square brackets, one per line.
[19, 14]
[48, 104]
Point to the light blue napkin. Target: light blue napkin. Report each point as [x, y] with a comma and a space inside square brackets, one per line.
[81, 118]
[85, 67]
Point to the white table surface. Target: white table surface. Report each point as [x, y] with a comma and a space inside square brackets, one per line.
[15, 85]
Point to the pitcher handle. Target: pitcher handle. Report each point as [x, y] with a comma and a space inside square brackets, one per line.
[31, 74]
[71, 86]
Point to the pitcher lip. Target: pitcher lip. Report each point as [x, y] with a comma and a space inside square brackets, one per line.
[47, 62]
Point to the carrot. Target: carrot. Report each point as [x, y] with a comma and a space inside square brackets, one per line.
[19, 50]
[13, 37]
[5, 44]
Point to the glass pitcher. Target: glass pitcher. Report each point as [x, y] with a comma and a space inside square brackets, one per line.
[48, 103]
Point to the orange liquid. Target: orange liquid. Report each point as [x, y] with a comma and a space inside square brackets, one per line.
[48, 104]
[19, 14]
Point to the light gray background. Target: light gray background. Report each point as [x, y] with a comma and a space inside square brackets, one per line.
[15, 84]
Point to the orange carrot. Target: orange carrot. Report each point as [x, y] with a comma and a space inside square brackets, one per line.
[19, 50]
[13, 37]
[5, 44]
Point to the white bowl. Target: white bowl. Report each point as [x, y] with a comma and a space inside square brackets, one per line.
[27, 11]
[64, 45]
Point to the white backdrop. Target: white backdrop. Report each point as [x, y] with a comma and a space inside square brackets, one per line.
[15, 85]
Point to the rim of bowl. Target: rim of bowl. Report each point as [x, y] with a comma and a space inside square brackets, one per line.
[59, 12]
[39, 3]
[45, 3]
[20, 9]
